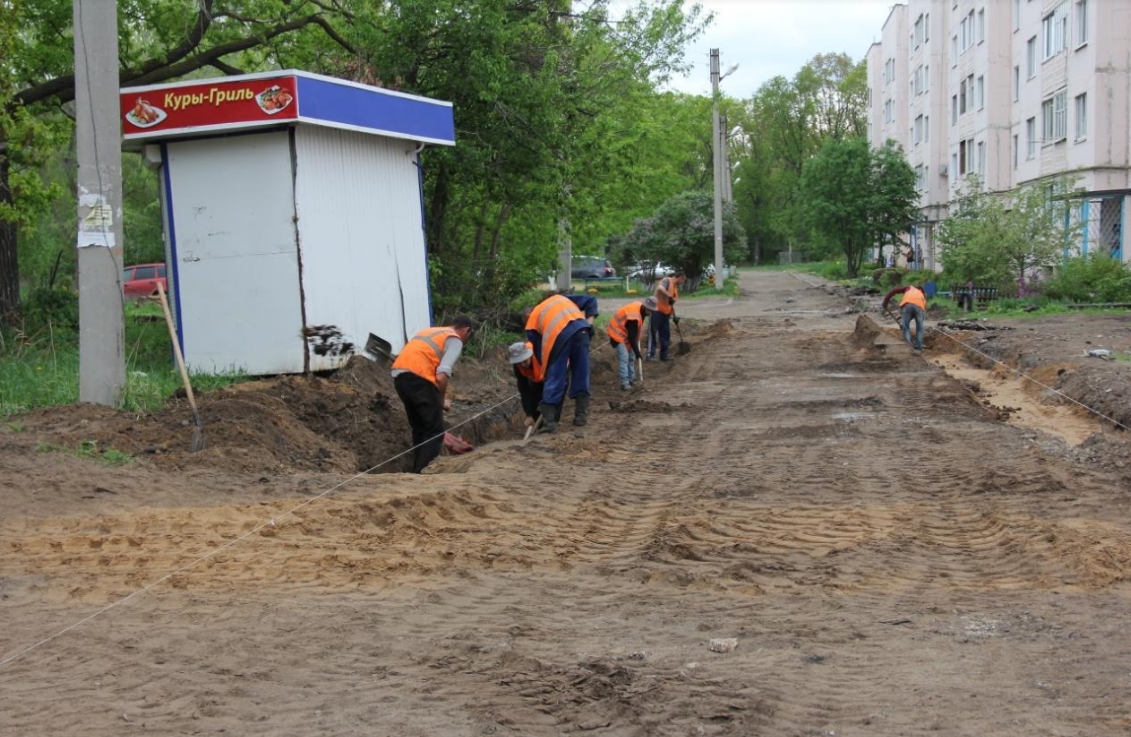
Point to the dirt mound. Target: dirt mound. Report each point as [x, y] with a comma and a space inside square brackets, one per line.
[348, 422]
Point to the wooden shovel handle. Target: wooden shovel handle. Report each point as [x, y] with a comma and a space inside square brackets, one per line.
[176, 346]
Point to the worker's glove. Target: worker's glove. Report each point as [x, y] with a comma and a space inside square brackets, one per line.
[529, 422]
[675, 319]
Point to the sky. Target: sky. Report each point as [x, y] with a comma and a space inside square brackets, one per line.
[771, 37]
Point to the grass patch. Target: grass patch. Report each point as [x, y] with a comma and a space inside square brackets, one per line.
[41, 368]
[89, 449]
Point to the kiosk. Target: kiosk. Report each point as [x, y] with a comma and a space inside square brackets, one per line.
[293, 215]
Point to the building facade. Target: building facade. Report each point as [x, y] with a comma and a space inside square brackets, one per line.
[1011, 93]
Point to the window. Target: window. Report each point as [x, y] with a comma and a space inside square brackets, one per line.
[1081, 22]
[953, 164]
[1016, 83]
[965, 157]
[1081, 117]
[920, 181]
[917, 131]
[981, 151]
[962, 97]
[1016, 148]
[889, 71]
[927, 27]
[917, 32]
[1053, 27]
[954, 51]
[889, 111]
[966, 31]
[926, 128]
[1054, 113]
[953, 109]
[1030, 138]
[1031, 57]
[981, 25]
[980, 92]
[919, 81]
[145, 272]
[1017, 15]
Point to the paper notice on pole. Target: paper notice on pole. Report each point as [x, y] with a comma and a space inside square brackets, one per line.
[97, 227]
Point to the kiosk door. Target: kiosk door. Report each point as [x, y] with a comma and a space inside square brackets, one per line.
[234, 253]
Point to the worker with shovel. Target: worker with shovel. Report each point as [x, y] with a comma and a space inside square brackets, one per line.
[667, 291]
[912, 306]
[421, 375]
[530, 377]
[625, 331]
[559, 335]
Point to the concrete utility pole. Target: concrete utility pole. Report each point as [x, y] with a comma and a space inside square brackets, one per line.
[102, 365]
[719, 156]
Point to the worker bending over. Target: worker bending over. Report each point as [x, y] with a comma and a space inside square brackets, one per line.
[421, 375]
[530, 377]
[559, 336]
[667, 291]
[625, 330]
[913, 305]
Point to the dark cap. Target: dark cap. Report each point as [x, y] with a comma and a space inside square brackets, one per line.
[463, 321]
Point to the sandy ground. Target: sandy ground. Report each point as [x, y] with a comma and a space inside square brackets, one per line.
[891, 550]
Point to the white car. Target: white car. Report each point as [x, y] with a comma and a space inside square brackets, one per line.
[646, 272]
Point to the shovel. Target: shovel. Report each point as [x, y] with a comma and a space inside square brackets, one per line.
[378, 349]
[682, 348]
[533, 428]
[197, 443]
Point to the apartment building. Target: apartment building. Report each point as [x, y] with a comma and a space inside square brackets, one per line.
[887, 81]
[1031, 90]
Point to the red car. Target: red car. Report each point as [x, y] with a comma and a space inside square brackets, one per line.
[141, 280]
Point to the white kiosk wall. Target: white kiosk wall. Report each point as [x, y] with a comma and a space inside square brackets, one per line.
[235, 253]
[361, 237]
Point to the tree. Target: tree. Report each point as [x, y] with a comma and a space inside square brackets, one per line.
[857, 197]
[158, 41]
[681, 234]
[1002, 238]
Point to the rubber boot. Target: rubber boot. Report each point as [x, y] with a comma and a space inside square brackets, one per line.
[581, 410]
[550, 414]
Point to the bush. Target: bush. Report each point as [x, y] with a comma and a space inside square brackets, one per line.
[1094, 278]
[56, 307]
[889, 277]
[834, 270]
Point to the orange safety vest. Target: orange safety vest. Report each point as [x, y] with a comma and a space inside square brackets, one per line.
[663, 302]
[534, 371]
[422, 354]
[618, 326]
[914, 296]
[549, 318]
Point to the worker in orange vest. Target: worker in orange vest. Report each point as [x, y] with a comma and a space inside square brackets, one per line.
[559, 335]
[667, 291]
[529, 375]
[625, 330]
[421, 375]
[912, 306]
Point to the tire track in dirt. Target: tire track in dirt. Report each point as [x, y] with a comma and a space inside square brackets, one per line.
[889, 558]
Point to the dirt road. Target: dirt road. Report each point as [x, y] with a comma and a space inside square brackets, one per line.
[890, 558]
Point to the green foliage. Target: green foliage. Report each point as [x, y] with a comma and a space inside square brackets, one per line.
[997, 239]
[1090, 279]
[40, 367]
[45, 307]
[681, 234]
[782, 127]
[859, 197]
[89, 449]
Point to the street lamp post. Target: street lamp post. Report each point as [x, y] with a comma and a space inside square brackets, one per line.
[717, 150]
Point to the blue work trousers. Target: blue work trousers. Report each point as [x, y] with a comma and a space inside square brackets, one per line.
[662, 334]
[907, 313]
[626, 364]
[571, 361]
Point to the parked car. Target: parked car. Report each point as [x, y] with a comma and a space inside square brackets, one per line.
[647, 272]
[592, 267]
[141, 280]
